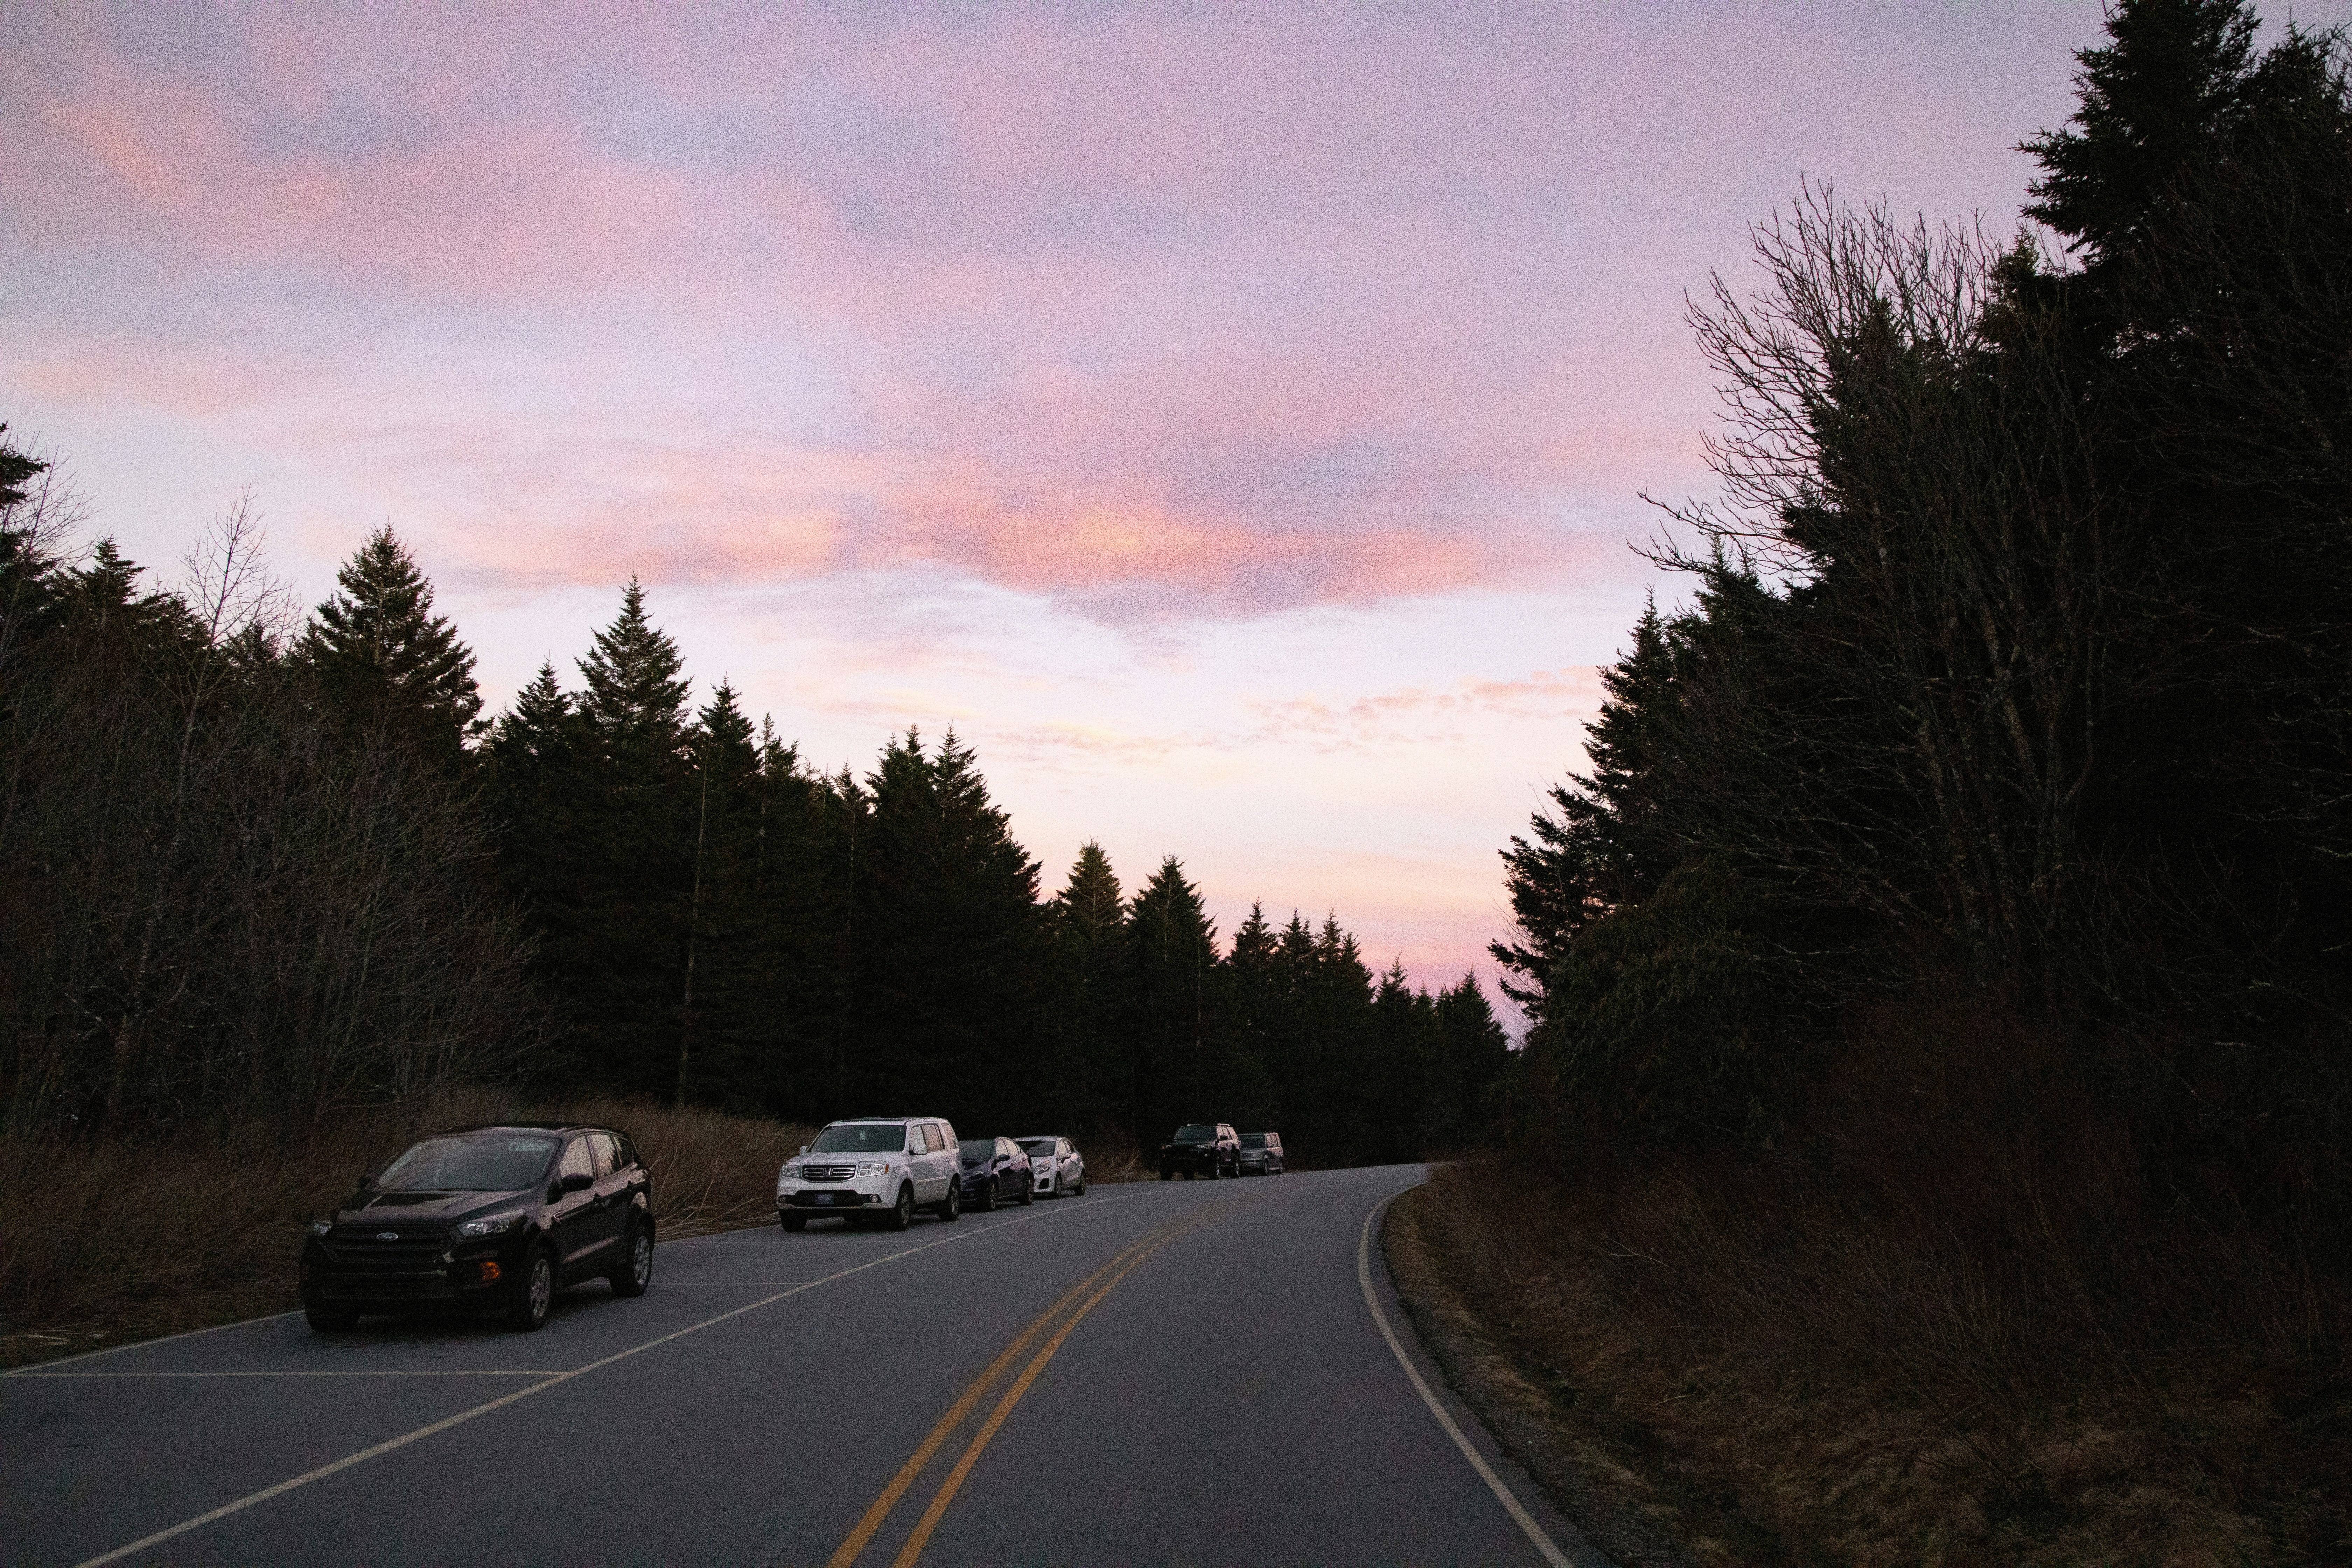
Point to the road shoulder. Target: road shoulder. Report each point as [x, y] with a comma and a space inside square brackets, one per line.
[1617, 1494]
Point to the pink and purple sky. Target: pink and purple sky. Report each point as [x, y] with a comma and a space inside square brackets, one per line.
[1230, 419]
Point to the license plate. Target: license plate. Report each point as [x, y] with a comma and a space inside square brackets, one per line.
[824, 1197]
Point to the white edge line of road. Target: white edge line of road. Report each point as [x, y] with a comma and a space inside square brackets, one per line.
[1543, 1542]
[549, 1381]
[432, 1372]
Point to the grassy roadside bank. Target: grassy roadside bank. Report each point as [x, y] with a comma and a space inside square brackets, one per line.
[1756, 1396]
[108, 1241]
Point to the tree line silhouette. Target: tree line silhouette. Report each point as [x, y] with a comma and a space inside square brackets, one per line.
[255, 866]
[1990, 800]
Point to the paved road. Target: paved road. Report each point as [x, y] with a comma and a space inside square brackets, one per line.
[1179, 1373]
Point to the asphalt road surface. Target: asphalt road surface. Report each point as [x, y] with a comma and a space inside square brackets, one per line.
[1190, 1372]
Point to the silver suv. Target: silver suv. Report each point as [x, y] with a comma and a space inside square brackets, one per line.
[874, 1169]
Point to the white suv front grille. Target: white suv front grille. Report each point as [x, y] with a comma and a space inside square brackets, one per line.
[827, 1173]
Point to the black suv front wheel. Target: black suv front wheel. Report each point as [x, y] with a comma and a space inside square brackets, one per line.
[528, 1313]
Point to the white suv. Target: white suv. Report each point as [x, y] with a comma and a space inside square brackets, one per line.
[875, 1168]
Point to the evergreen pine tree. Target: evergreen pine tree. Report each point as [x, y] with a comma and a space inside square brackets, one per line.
[385, 662]
[2152, 101]
[719, 1009]
[637, 825]
[1088, 920]
[1602, 845]
[1173, 960]
[949, 939]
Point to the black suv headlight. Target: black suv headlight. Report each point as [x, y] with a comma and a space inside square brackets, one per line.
[494, 1225]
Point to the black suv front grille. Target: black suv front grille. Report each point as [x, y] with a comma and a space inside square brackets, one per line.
[386, 1249]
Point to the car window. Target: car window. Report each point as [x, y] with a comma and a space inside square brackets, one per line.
[608, 1158]
[1040, 1148]
[1062, 1146]
[936, 1137]
[579, 1159]
[629, 1161]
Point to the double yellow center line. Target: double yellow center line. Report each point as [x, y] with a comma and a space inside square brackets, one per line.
[858, 1539]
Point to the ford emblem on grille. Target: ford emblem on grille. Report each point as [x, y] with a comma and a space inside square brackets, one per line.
[387, 1236]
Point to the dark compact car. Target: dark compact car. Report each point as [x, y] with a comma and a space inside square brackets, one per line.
[994, 1168]
[1262, 1155]
[484, 1219]
[1210, 1149]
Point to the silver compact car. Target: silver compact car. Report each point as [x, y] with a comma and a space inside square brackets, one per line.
[875, 1170]
[1056, 1165]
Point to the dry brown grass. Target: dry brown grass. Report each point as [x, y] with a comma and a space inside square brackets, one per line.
[1877, 1385]
[110, 1240]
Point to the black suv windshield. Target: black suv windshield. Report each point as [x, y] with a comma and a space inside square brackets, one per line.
[1196, 1134]
[861, 1138]
[975, 1153]
[478, 1162]
[1253, 1140]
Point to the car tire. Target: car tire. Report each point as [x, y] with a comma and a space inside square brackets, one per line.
[1080, 1190]
[635, 1271]
[329, 1319]
[902, 1213]
[951, 1206]
[1028, 1194]
[987, 1204]
[794, 1221]
[1211, 1171]
[528, 1313]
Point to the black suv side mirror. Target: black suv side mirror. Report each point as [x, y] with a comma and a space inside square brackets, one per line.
[578, 1181]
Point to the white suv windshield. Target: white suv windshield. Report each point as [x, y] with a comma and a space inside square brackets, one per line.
[861, 1138]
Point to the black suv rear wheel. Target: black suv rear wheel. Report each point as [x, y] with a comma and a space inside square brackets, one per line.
[637, 1267]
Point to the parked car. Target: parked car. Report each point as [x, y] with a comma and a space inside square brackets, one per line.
[1262, 1153]
[494, 1218]
[996, 1169]
[874, 1168]
[1056, 1166]
[1209, 1148]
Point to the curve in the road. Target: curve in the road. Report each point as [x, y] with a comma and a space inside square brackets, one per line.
[1552, 1554]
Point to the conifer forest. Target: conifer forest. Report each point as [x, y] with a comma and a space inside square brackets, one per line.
[1970, 850]
[257, 864]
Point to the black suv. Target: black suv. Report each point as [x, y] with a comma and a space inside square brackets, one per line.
[491, 1218]
[1210, 1149]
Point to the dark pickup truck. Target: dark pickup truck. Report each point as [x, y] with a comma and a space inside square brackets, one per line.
[1210, 1149]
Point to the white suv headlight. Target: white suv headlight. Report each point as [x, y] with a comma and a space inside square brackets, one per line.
[874, 1168]
[789, 1173]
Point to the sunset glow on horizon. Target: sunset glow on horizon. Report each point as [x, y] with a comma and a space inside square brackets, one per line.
[1233, 422]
